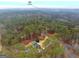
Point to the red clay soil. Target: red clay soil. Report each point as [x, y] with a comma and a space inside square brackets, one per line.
[50, 32]
[67, 41]
[26, 41]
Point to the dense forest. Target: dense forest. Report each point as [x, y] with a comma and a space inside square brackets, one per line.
[19, 27]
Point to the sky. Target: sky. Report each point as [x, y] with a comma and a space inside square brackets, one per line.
[39, 4]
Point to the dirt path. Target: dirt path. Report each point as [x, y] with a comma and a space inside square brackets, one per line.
[41, 42]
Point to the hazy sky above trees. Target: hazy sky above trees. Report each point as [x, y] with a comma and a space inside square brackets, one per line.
[39, 3]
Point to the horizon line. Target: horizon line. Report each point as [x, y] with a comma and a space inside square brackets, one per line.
[42, 8]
